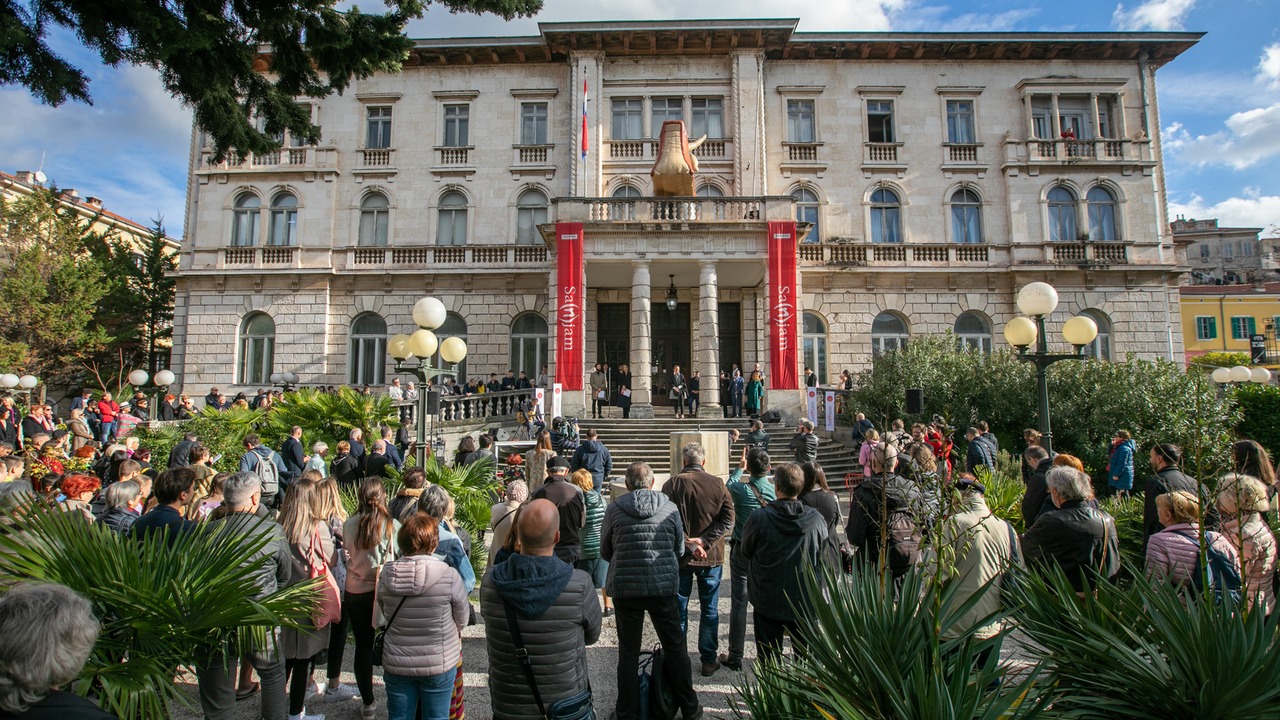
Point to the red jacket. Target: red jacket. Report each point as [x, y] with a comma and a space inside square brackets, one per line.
[108, 410]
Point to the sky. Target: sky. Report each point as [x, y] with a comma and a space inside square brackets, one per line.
[1219, 102]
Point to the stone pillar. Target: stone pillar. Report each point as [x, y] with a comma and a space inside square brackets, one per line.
[641, 351]
[709, 342]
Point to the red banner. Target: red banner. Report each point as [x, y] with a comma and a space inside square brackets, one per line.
[783, 340]
[570, 304]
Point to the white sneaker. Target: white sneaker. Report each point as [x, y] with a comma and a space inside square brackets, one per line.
[304, 716]
[315, 689]
[338, 693]
[369, 712]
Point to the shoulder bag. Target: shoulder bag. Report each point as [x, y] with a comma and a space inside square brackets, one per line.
[380, 639]
[574, 707]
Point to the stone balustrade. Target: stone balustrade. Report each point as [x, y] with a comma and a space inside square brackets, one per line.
[674, 209]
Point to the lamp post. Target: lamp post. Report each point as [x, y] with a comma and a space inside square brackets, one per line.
[1039, 299]
[413, 354]
[285, 381]
[161, 382]
[24, 384]
[1241, 374]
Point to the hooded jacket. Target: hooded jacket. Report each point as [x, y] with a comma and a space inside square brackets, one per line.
[559, 617]
[1120, 467]
[783, 542]
[907, 511]
[643, 539]
[593, 457]
[425, 637]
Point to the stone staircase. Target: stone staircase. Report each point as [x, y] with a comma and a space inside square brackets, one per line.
[635, 440]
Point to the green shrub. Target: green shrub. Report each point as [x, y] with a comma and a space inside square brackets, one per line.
[1207, 362]
[1005, 489]
[1129, 528]
[222, 431]
[1259, 414]
[329, 416]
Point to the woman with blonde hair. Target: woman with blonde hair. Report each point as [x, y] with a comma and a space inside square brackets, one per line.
[334, 515]
[1173, 553]
[1241, 500]
[871, 438]
[311, 546]
[535, 463]
[590, 560]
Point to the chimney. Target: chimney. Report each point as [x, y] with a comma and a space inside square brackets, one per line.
[71, 194]
[26, 176]
[94, 202]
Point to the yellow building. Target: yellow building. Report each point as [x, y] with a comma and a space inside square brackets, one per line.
[1222, 318]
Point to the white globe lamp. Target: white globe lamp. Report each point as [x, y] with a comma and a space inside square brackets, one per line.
[1080, 330]
[453, 350]
[423, 343]
[165, 378]
[1260, 375]
[8, 380]
[1020, 332]
[27, 382]
[1221, 375]
[1037, 298]
[1240, 374]
[398, 346]
[429, 313]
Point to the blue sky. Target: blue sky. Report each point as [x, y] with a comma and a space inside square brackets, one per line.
[1219, 102]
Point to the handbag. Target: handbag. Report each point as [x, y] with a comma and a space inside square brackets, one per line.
[328, 608]
[380, 639]
[574, 707]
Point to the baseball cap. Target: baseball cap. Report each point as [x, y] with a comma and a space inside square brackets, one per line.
[558, 462]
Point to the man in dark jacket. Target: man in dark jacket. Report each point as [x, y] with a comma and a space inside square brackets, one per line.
[573, 508]
[783, 542]
[557, 613]
[293, 455]
[180, 455]
[242, 495]
[1036, 499]
[804, 444]
[758, 437]
[376, 464]
[593, 457]
[1165, 460]
[213, 399]
[356, 439]
[642, 537]
[173, 493]
[1082, 540]
[887, 495]
[706, 511]
[980, 452]
[748, 496]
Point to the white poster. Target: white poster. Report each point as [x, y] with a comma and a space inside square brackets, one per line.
[812, 394]
[539, 403]
[557, 390]
[831, 411]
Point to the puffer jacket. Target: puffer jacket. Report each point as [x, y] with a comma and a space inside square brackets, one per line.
[425, 638]
[1080, 539]
[784, 543]
[1168, 480]
[1259, 560]
[1172, 553]
[559, 616]
[593, 457]
[1120, 467]
[590, 537]
[643, 539]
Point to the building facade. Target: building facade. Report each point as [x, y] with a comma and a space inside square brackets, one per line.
[1223, 255]
[929, 175]
[1224, 318]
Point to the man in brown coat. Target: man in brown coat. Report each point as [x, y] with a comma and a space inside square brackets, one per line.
[707, 513]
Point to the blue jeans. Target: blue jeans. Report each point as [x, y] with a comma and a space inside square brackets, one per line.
[709, 600]
[432, 692]
[738, 565]
[107, 431]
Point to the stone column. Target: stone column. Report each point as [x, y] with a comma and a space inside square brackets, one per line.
[641, 350]
[709, 342]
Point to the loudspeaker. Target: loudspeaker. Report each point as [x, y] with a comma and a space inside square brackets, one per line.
[433, 402]
[772, 416]
[915, 401]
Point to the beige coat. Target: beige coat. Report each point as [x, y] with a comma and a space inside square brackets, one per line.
[983, 550]
[308, 641]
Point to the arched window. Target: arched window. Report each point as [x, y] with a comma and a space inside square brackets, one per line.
[452, 228]
[367, 363]
[529, 339]
[973, 332]
[814, 332]
[1100, 348]
[531, 211]
[966, 217]
[1062, 215]
[1102, 215]
[807, 211]
[244, 221]
[454, 326]
[710, 191]
[624, 210]
[375, 219]
[257, 349]
[888, 332]
[284, 220]
[886, 217]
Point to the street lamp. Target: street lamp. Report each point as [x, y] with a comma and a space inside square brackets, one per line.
[24, 384]
[162, 380]
[1241, 374]
[1039, 299]
[413, 354]
[285, 380]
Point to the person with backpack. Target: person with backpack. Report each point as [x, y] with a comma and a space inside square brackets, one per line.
[1173, 554]
[979, 454]
[267, 465]
[1242, 500]
[887, 515]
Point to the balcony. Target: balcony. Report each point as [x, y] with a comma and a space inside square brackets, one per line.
[375, 162]
[533, 154]
[454, 155]
[503, 258]
[897, 255]
[674, 210]
[292, 159]
[1093, 150]
[802, 157]
[1087, 253]
[646, 150]
[259, 257]
[533, 161]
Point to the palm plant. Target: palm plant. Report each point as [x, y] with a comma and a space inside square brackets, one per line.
[330, 416]
[162, 605]
[1004, 489]
[1151, 651]
[472, 487]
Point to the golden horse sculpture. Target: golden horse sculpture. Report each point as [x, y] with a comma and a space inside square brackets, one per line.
[675, 166]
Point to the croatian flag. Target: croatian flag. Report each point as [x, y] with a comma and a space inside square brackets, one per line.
[584, 119]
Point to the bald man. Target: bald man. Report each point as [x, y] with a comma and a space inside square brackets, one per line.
[555, 610]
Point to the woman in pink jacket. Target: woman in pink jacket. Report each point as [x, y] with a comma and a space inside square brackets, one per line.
[425, 604]
[1242, 499]
[1172, 553]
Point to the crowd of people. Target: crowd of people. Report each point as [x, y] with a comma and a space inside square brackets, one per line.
[398, 578]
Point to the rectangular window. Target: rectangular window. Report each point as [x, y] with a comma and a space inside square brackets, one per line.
[457, 120]
[665, 109]
[800, 122]
[1206, 327]
[880, 121]
[960, 121]
[533, 123]
[1204, 250]
[707, 119]
[1228, 252]
[379, 128]
[627, 119]
[1242, 327]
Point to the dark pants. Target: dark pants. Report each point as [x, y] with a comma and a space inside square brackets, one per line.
[665, 614]
[299, 673]
[217, 681]
[358, 607]
[597, 406]
[709, 601]
[338, 642]
[738, 565]
[769, 636]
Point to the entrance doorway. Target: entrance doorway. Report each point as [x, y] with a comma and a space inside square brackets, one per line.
[613, 338]
[672, 345]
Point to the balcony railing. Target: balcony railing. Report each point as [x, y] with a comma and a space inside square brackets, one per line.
[302, 158]
[903, 255]
[646, 149]
[258, 257]
[376, 157]
[1099, 253]
[454, 155]
[882, 153]
[961, 153]
[801, 152]
[1073, 150]
[673, 209]
[533, 154]
[499, 256]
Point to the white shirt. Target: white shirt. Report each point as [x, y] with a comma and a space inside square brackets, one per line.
[395, 392]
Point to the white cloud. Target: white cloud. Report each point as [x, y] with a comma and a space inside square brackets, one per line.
[1249, 138]
[1153, 15]
[1269, 66]
[929, 18]
[1262, 211]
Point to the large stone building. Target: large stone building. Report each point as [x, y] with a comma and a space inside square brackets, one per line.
[931, 176]
[1223, 255]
